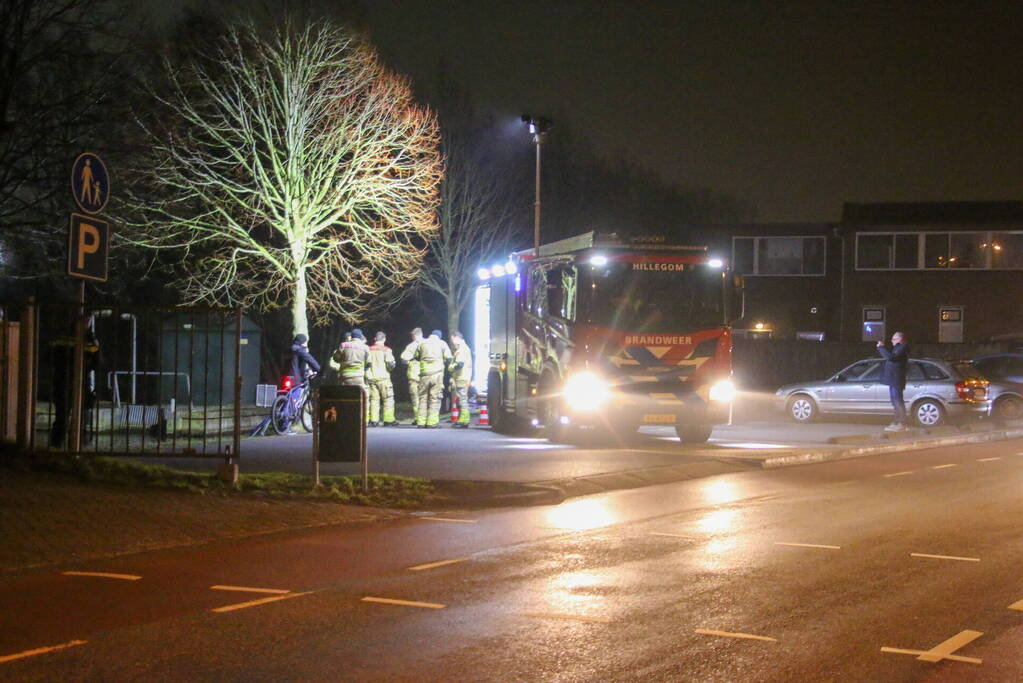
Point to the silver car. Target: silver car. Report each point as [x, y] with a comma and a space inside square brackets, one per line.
[936, 391]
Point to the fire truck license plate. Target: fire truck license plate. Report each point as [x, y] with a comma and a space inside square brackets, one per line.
[659, 418]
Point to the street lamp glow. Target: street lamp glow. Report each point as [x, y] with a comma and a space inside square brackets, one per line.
[483, 274]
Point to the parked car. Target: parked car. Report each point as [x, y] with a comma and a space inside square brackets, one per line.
[936, 391]
[1005, 369]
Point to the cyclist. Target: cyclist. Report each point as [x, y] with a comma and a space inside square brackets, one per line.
[303, 365]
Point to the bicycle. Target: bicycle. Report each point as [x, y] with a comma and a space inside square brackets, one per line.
[292, 404]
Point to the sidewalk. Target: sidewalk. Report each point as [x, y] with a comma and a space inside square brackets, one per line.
[52, 520]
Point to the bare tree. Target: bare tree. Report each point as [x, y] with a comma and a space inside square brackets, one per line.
[476, 223]
[61, 68]
[290, 168]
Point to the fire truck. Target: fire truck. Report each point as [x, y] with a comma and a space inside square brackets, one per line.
[598, 331]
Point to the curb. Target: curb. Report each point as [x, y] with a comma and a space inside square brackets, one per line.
[533, 494]
[816, 456]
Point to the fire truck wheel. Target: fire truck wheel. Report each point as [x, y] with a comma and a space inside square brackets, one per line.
[693, 433]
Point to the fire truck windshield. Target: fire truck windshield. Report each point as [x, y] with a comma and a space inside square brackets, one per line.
[653, 297]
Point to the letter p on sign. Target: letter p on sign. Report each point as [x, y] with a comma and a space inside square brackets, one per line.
[88, 242]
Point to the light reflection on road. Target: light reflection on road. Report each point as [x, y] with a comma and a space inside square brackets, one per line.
[581, 515]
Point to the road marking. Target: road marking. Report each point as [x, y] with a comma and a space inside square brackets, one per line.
[105, 575]
[41, 651]
[448, 519]
[946, 557]
[811, 545]
[406, 603]
[434, 565]
[988, 459]
[660, 533]
[1017, 606]
[261, 601]
[899, 474]
[940, 651]
[246, 589]
[573, 617]
[941, 467]
[954, 658]
[726, 634]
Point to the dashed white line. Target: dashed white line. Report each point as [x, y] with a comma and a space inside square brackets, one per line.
[434, 565]
[246, 589]
[946, 557]
[661, 533]
[1017, 606]
[899, 474]
[941, 467]
[811, 545]
[261, 601]
[726, 634]
[988, 459]
[41, 651]
[404, 603]
[105, 575]
[449, 519]
[572, 617]
[918, 653]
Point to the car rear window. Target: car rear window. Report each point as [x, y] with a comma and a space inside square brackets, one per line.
[932, 371]
[967, 370]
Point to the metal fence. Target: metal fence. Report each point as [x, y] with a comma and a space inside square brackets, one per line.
[770, 363]
[159, 381]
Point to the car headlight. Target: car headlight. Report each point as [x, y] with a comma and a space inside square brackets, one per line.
[586, 392]
[723, 391]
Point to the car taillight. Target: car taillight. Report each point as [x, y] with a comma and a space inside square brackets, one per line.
[972, 389]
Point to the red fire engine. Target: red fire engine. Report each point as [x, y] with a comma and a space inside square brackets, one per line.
[599, 331]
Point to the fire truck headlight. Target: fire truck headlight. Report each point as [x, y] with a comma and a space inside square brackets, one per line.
[483, 274]
[586, 392]
[723, 391]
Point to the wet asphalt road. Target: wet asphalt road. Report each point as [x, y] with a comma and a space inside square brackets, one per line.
[824, 564]
[483, 455]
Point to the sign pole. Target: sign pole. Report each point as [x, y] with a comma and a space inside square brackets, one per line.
[75, 442]
[316, 440]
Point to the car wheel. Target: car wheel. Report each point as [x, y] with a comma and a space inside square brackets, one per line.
[802, 408]
[500, 421]
[1008, 408]
[693, 433]
[928, 413]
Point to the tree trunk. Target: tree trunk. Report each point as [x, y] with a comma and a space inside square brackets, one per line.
[299, 319]
[454, 317]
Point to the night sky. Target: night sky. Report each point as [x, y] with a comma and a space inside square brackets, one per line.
[793, 106]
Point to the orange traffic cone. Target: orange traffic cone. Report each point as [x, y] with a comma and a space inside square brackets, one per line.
[484, 417]
[454, 410]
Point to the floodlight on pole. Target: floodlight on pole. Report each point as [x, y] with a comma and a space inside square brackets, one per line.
[538, 127]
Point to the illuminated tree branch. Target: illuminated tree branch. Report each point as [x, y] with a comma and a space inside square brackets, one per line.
[292, 169]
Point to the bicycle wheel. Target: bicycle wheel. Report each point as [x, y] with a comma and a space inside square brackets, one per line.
[306, 414]
[279, 415]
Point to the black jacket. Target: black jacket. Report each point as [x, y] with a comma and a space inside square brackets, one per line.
[893, 370]
[300, 358]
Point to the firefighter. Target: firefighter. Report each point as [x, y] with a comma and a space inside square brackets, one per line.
[381, 391]
[351, 359]
[461, 373]
[408, 356]
[433, 355]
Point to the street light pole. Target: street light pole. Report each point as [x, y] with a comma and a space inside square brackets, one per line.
[538, 127]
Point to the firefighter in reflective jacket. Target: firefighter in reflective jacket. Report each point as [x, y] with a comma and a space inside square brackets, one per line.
[351, 360]
[433, 355]
[461, 373]
[408, 356]
[381, 391]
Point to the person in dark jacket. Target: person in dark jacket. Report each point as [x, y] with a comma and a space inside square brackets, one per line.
[893, 373]
[301, 360]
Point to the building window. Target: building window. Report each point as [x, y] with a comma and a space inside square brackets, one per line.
[779, 255]
[939, 251]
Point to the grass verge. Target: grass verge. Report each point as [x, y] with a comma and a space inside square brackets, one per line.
[385, 490]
